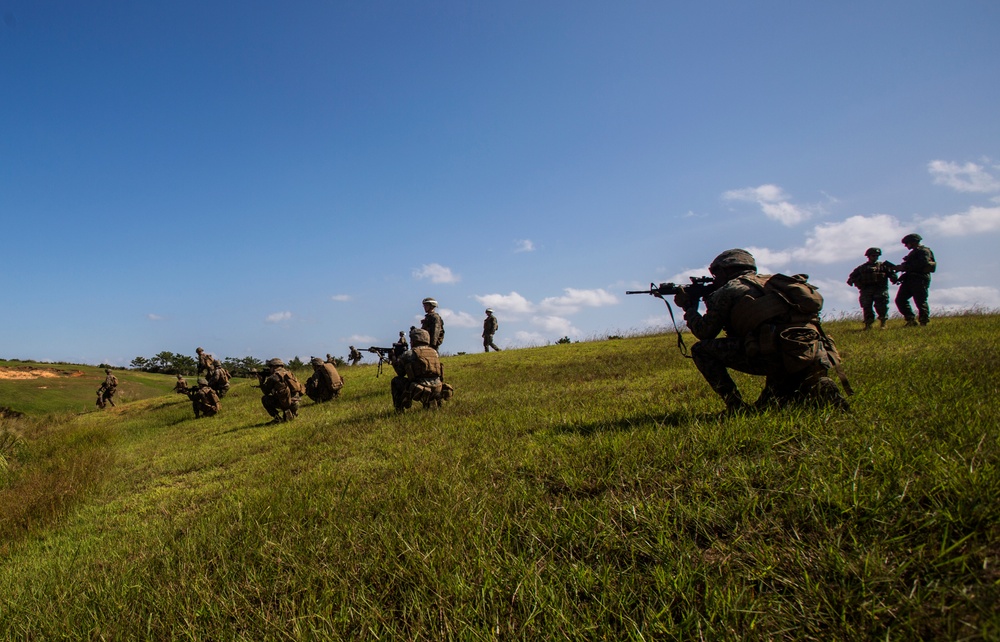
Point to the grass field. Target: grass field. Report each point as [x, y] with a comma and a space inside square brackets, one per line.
[580, 491]
[70, 388]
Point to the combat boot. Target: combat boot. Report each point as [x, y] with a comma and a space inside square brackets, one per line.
[881, 324]
[868, 325]
[910, 323]
[826, 393]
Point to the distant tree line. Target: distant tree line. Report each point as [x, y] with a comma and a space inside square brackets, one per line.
[175, 363]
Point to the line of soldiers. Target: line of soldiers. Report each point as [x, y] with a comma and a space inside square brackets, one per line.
[913, 276]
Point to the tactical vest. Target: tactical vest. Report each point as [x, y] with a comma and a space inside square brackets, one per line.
[425, 365]
[871, 274]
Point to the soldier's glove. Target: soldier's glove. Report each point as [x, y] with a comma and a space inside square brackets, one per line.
[682, 299]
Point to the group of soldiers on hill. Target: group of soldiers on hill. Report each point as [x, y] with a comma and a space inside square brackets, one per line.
[210, 387]
[913, 276]
[771, 324]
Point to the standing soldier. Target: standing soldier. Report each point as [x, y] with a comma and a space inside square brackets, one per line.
[401, 344]
[204, 401]
[281, 392]
[490, 327]
[204, 361]
[432, 323]
[107, 389]
[915, 283]
[181, 386]
[325, 382]
[872, 280]
[355, 356]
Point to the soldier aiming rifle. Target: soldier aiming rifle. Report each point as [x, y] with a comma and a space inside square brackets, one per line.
[699, 288]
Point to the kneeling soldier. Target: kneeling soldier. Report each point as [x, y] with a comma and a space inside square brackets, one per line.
[203, 399]
[325, 382]
[420, 375]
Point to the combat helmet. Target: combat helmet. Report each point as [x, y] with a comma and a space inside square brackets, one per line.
[202, 381]
[316, 361]
[911, 238]
[430, 301]
[419, 337]
[877, 251]
[732, 259]
[275, 363]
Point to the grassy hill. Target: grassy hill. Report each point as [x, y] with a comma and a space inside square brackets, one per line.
[581, 491]
[37, 388]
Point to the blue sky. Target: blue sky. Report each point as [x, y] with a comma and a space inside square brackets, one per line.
[287, 180]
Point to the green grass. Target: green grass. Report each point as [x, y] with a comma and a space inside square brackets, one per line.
[582, 491]
[74, 389]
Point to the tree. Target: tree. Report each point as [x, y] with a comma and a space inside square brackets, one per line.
[139, 363]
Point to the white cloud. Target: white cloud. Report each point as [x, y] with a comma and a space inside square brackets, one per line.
[278, 317]
[969, 177]
[976, 220]
[154, 317]
[361, 340]
[834, 242]
[525, 338]
[459, 319]
[512, 303]
[773, 202]
[556, 324]
[524, 245]
[436, 273]
[964, 298]
[574, 300]
[341, 297]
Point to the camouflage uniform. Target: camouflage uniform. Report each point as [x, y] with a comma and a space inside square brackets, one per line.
[325, 383]
[757, 349]
[915, 282]
[354, 356]
[420, 375]
[490, 327]
[204, 360]
[181, 386]
[432, 323]
[872, 280]
[218, 378]
[204, 401]
[107, 389]
[281, 392]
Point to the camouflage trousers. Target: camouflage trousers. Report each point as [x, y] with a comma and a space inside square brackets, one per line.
[916, 287]
[874, 301]
[429, 392]
[715, 357]
[488, 343]
[281, 407]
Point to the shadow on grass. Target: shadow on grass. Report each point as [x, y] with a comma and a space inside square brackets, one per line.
[652, 419]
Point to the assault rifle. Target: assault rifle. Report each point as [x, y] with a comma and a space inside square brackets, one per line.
[699, 288]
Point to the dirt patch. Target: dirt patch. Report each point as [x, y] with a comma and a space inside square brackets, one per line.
[27, 372]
